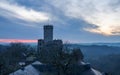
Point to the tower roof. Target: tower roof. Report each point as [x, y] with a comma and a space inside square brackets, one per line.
[48, 26]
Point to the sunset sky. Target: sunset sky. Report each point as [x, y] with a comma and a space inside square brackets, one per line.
[75, 21]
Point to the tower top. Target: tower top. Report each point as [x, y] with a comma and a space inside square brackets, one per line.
[48, 33]
[48, 26]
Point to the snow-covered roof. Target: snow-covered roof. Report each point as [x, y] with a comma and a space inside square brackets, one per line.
[36, 63]
[92, 72]
[28, 70]
[32, 70]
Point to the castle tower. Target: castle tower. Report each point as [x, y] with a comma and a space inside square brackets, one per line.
[48, 41]
[48, 33]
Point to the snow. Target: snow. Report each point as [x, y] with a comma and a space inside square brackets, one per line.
[28, 70]
[91, 71]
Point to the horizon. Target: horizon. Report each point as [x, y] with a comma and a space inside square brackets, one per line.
[29, 41]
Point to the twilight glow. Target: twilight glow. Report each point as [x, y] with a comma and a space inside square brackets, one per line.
[17, 41]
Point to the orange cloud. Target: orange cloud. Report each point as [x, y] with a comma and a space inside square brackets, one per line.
[17, 40]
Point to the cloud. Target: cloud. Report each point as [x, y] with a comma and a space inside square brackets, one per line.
[103, 14]
[12, 10]
[17, 40]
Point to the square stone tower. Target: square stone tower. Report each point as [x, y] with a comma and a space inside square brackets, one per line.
[48, 41]
[48, 33]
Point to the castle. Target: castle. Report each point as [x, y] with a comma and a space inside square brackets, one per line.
[48, 39]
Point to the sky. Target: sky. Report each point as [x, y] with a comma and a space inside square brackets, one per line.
[74, 21]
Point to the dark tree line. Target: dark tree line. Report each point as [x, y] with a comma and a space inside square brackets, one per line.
[61, 58]
[11, 55]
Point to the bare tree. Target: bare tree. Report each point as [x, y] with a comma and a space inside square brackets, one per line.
[13, 55]
[60, 58]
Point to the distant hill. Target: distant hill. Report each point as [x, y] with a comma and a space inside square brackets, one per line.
[100, 44]
[104, 57]
[91, 51]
